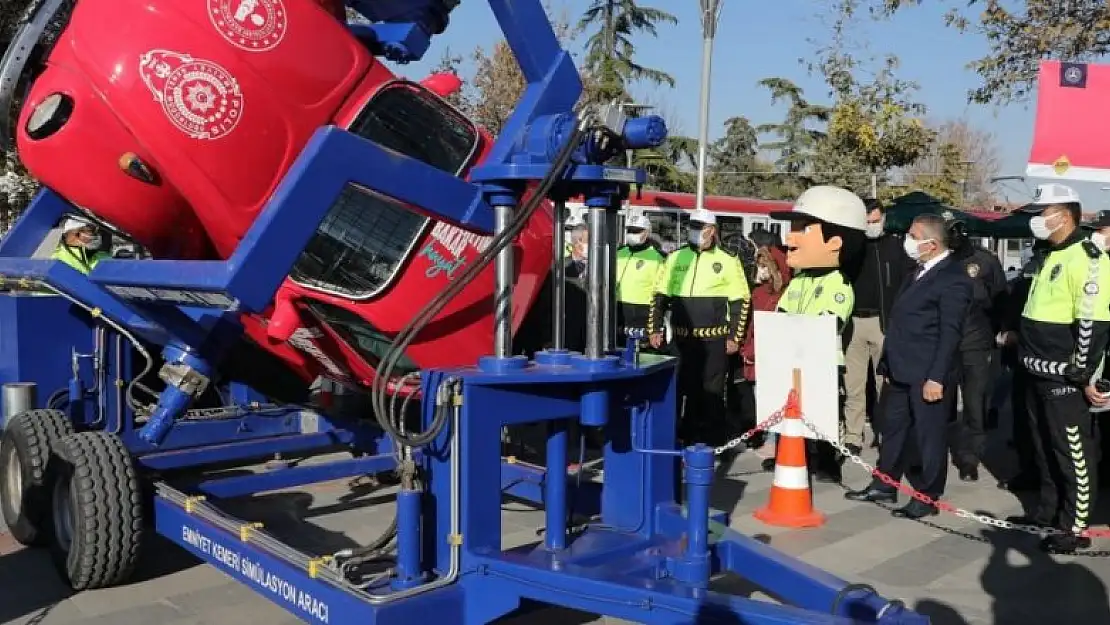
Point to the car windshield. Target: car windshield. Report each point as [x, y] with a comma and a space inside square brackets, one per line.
[365, 238]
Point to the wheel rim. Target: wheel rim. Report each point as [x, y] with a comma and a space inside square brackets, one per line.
[13, 480]
[63, 513]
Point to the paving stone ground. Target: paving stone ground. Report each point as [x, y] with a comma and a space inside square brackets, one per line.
[955, 571]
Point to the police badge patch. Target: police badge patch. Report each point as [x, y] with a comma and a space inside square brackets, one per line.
[972, 270]
[1056, 269]
[717, 267]
[839, 297]
[640, 264]
[1091, 288]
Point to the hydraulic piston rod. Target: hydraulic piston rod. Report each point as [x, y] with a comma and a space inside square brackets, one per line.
[503, 302]
[596, 303]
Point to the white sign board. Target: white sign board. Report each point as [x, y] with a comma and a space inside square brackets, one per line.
[786, 342]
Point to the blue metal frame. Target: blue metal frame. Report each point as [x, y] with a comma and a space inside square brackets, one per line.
[646, 558]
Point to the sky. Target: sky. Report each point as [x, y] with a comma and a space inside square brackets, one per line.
[762, 39]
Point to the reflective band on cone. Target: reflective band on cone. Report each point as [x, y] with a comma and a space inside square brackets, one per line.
[791, 501]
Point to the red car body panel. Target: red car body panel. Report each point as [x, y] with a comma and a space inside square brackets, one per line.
[217, 99]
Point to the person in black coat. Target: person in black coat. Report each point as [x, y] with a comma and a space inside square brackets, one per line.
[977, 349]
[876, 276]
[918, 364]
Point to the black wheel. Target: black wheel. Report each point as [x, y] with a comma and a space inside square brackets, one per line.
[24, 454]
[97, 510]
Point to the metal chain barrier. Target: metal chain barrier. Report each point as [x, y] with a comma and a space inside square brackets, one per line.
[898, 485]
[944, 506]
[769, 423]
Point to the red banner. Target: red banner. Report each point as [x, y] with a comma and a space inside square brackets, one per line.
[1071, 139]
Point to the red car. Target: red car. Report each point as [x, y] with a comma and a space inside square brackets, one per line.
[180, 122]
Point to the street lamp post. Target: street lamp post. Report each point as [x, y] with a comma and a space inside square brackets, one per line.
[710, 13]
[967, 174]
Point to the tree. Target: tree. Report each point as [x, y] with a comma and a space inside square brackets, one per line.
[945, 181]
[610, 50]
[798, 140]
[497, 83]
[733, 158]
[875, 125]
[450, 63]
[16, 186]
[1019, 36]
[976, 152]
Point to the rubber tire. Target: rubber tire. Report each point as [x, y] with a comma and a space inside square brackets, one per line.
[32, 435]
[94, 470]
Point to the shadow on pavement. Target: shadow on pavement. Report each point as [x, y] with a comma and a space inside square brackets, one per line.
[1028, 586]
[939, 613]
[29, 586]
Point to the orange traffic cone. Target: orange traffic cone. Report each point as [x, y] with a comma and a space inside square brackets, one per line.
[791, 502]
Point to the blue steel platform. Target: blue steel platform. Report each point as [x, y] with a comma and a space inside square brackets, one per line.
[954, 571]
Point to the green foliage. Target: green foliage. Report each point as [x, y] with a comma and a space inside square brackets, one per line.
[797, 140]
[610, 52]
[947, 186]
[1019, 36]
[875, 124]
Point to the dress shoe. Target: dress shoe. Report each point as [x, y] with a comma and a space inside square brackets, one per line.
[969, 474]
[872, 495]
[768, 464]
[855, 450]
[914, 510]
[1065, 543]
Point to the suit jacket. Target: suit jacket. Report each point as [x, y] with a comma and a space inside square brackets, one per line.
[926, 325]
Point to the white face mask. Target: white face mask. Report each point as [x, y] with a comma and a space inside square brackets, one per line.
[94, 243]
[874, 230]
[1100, 241]
[695, 237]
[1040, 228]
[634, 239]
[762, 274]
[913, 247]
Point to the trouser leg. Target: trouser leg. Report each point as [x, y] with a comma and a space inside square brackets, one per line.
[712, 420]
[1071, 428]
[689, 387]
[857, 363]
[971, 433]
[893, 424]
[1022, 426]
[1040, 437]
[930, 427]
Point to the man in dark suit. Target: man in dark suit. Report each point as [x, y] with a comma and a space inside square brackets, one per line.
[918, 364]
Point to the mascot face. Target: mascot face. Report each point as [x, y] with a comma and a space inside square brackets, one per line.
[806, 246]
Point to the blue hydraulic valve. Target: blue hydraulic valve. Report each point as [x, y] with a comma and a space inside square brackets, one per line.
[401, 30]
[186, 376]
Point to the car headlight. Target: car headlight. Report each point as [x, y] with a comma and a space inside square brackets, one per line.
[49, 116]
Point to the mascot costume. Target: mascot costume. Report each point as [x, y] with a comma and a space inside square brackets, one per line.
[827, 227]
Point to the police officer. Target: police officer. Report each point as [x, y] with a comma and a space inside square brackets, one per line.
[79, 245]
[638, 266]
[977, 347]
[1061, 340]
[704, 288]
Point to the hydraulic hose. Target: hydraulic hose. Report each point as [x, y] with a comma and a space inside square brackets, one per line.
[409, 333]
[380, 404]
